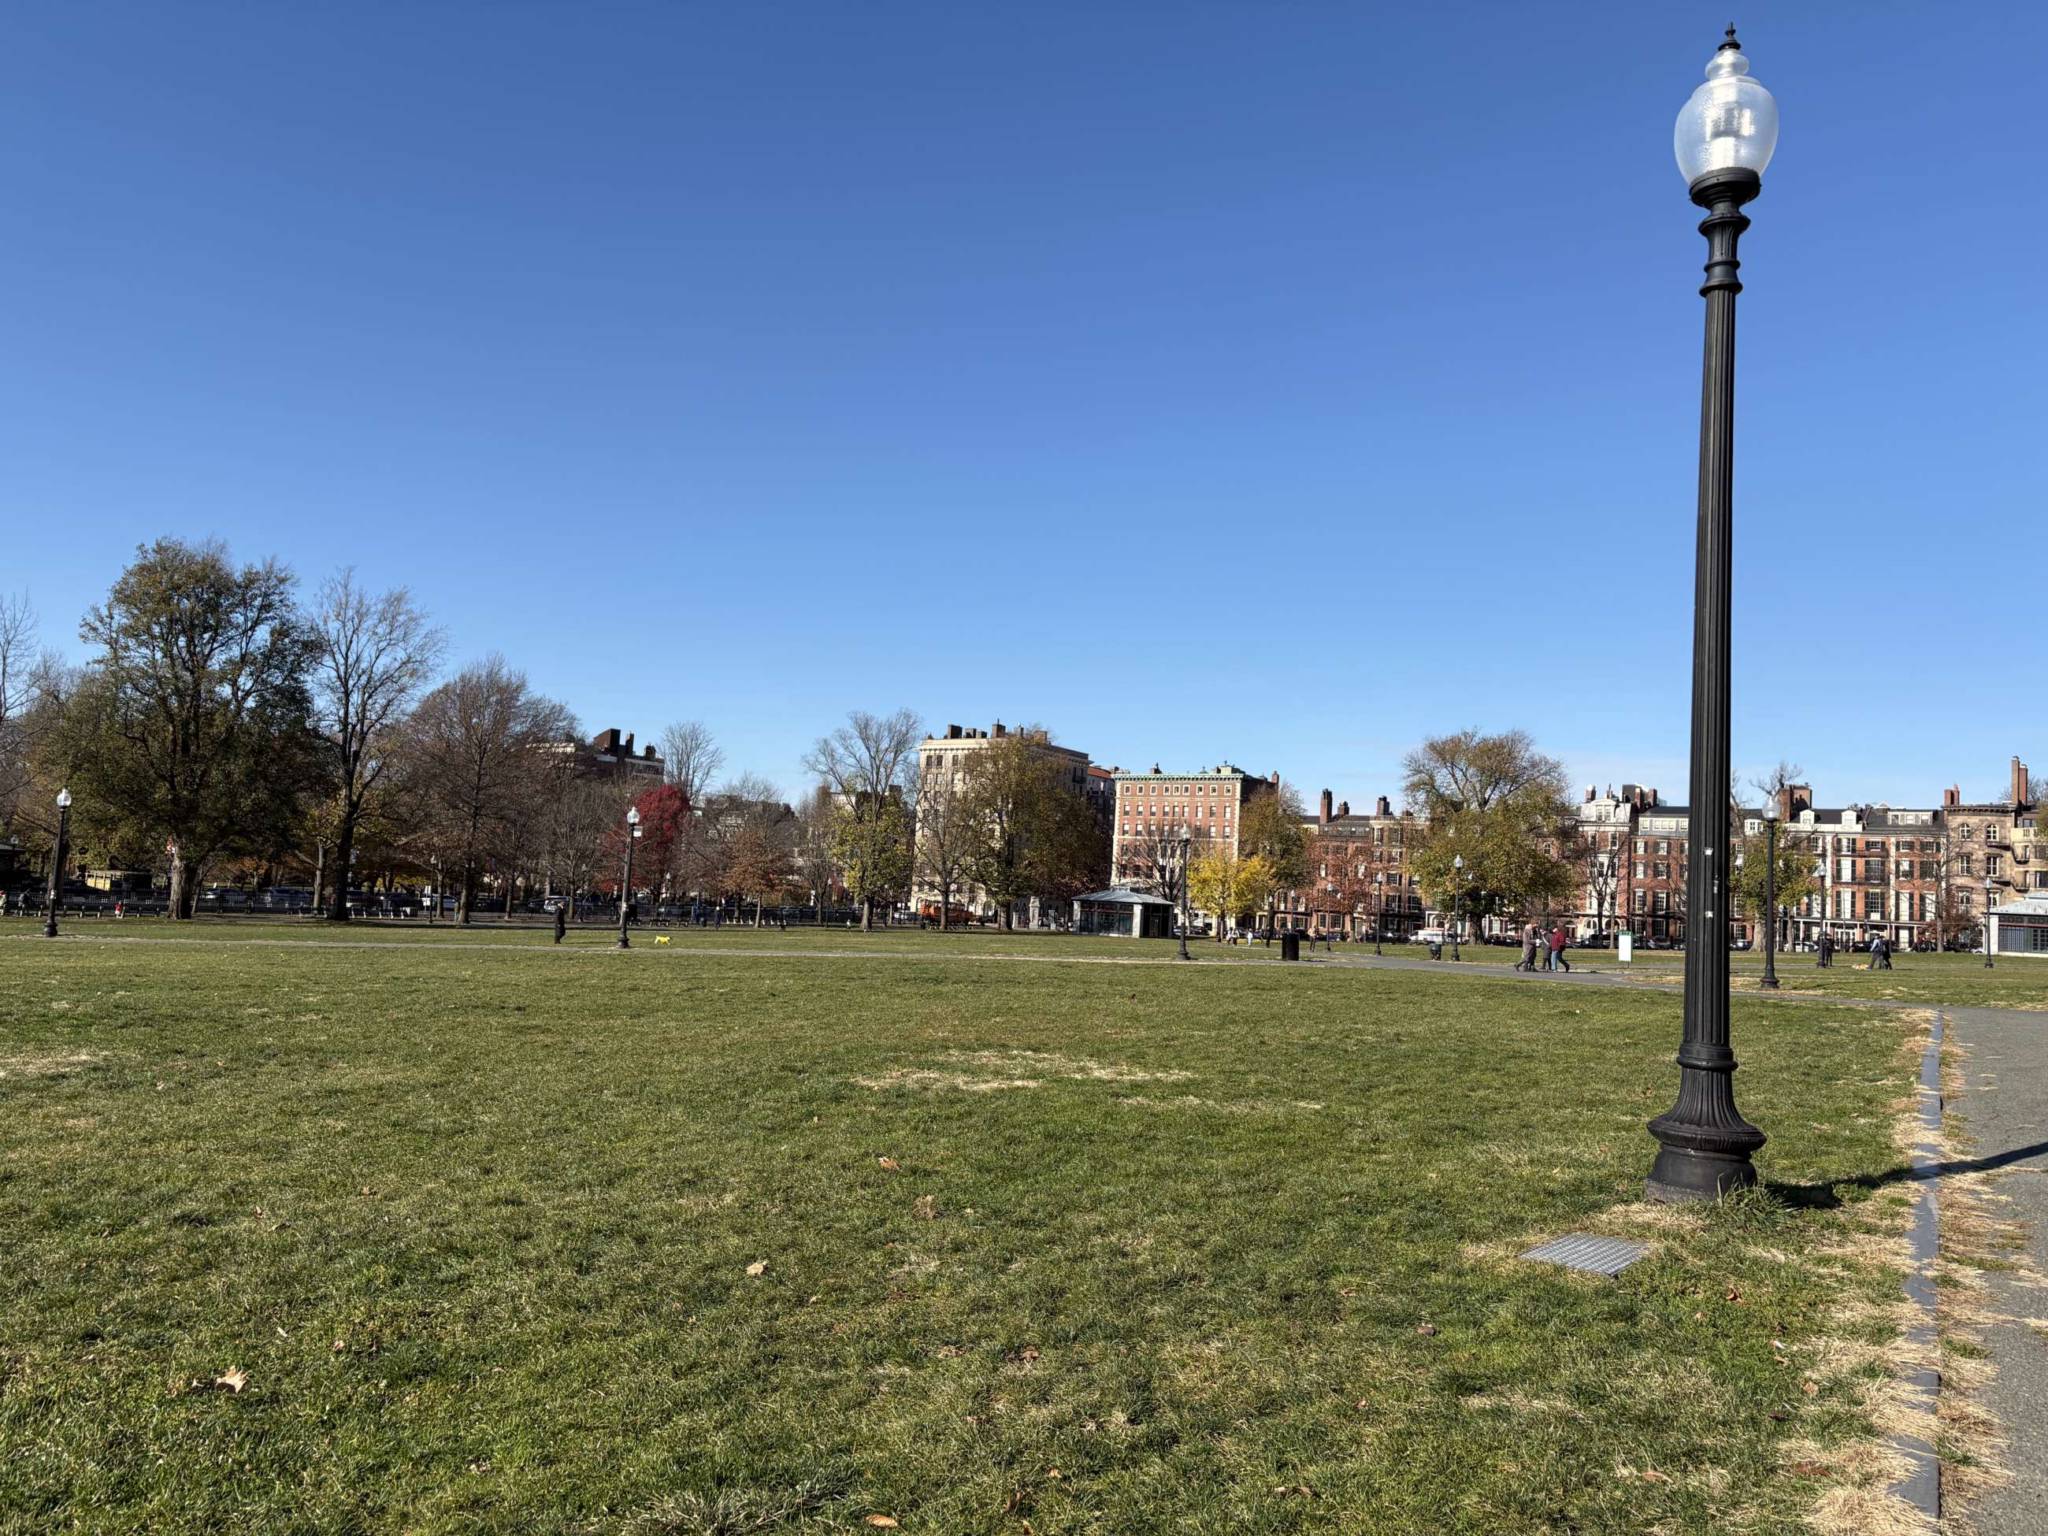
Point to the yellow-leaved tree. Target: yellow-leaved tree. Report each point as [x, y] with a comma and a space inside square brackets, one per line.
[1229, 887]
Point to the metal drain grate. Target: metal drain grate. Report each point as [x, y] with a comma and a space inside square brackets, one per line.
[1596, 1255]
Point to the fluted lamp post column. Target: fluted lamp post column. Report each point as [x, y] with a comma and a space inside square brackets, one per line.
[1457, 901]
[626, 878]
[1723, 140]
[57, 856]
[1379, 910]
[1770, 981]
[1987, 924]
[1186, 845]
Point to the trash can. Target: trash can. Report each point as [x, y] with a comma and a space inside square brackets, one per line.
[1290, 945]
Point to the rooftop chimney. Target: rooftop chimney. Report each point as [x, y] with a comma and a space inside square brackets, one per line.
[2019, 782]
[1343, 807]
[1951, 797]
[627, 750]
[606, 740]
[1381, 807]
[999, 729]
[952, 733]
[1323, 814]
[1592, 794]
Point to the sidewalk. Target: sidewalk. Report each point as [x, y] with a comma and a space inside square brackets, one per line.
[2004, 1102]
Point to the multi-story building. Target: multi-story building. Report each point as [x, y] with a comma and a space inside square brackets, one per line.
[1156, 805]
[1359, 879]
[944, 766]
[608, 755]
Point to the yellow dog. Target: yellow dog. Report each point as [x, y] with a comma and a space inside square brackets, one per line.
[661, 938]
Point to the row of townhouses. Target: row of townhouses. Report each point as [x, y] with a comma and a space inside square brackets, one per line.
[1902, 873]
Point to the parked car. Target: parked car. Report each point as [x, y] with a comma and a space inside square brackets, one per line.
[1430, 936]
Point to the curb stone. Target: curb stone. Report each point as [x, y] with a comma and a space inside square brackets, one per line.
[1921, 1487]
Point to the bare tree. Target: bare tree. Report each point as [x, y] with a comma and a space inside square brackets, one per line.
[947, 831]
[20, 683]
[757, 842]
[867, 763]
[376, 654]
[691, 758]
[814, 862]
[475, 748]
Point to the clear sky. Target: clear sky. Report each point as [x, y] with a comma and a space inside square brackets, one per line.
[1278, 383]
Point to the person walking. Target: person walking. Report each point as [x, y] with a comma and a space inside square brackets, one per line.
[561, 920]
[1827, 949]
[1557, 943]
[1528, 960]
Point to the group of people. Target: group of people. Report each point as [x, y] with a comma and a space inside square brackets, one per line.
[1880, 952]
[1551, 945]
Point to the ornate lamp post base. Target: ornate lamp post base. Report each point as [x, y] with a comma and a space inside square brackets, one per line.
[1706, 1145]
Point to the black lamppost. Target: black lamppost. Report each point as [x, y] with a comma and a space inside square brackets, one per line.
[1186, 843]
[1770, 981]
[1379, 910]
[626, 879]
[1457, 899]
[1723, 140]
[1987, 913]
[57, 856]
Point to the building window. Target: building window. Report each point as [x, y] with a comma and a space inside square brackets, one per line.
[1966, 832]
[1963, 863]
[1994, 865]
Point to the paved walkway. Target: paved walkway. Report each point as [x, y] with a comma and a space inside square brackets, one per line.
[2004, 1102]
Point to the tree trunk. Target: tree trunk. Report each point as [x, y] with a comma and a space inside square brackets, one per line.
[344, 851]
[867, 914]
[180, 904]
[319, 877]
[511, 892]
[945, 903]
[757, 911]
[465, 896]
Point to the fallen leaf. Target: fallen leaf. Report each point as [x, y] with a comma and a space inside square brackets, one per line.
[1029, 1352]
[885, 1522]
[890, 1163]
[758, 1267]
[1652, 1475]
[1810, 1388]
[928, 1207]
[1809, 1469]
[340, 1345]
[1734, 1295]
[234, 1380]
[1780, 1415]
[1427, 1330]
[1052, 1472]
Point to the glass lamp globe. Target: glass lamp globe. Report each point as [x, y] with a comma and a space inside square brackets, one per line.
[633, 816]
[1730, 123]
[63, 799]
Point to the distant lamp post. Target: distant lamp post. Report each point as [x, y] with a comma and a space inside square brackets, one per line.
[1187, 842]
[57, 857]
[1770, 981]
[1723, 139]
[1379, 910]
[1987, 912]
[626, 878]
[1457, 901]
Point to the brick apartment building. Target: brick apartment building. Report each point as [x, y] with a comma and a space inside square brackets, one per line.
[1359, 880]
[609, 755]
[1151, 807]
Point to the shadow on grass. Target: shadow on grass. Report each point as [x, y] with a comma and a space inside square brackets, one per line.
[1825, 1196]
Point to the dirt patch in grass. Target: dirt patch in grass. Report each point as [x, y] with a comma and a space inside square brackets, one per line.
[48, 1063]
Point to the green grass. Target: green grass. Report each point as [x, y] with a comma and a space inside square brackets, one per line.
[476, 1216]
[1957, 980]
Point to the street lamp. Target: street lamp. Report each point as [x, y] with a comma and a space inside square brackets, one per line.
[1379, 909]
[1723, 140]
[1770, 981]
[626, 879]
[1186, 842]
[1987, 919]
[1457, 900]
[57, 862]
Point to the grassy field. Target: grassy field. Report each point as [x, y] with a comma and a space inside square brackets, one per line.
[444, 1233]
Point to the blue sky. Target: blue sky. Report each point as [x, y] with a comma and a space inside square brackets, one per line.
[1279, 383]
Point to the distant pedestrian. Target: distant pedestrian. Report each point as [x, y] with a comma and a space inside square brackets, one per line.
[1880, 953]
[1827, 949]
[561, 920]
[1557, 944]
[1528, 961]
